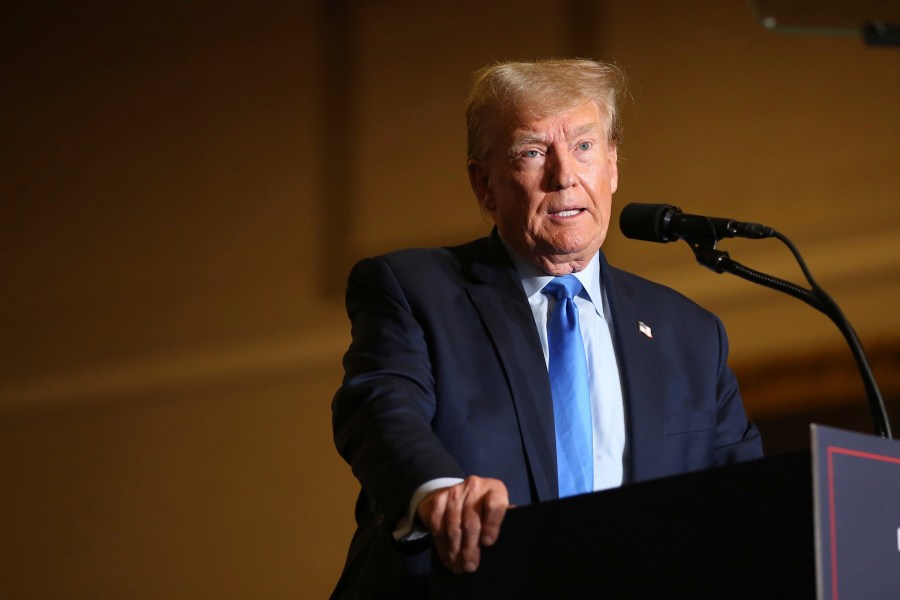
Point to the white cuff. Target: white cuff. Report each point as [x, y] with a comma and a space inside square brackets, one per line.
[406, 531]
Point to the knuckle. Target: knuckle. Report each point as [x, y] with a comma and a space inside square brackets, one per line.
[434, 525]
[454, 492]
[471, 526]
[496, 503]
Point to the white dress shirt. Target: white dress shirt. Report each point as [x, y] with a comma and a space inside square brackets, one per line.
[607, 407]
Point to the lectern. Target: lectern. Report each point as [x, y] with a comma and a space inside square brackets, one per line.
[743, 531]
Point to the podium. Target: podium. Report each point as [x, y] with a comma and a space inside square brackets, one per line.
[742, 531]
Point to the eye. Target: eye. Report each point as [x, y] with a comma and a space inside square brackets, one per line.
[530, 154]
[585, 146]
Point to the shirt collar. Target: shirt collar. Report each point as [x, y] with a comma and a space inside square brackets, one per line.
[534, 279]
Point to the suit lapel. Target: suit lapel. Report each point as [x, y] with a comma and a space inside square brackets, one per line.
[643, 390]
[497, 294]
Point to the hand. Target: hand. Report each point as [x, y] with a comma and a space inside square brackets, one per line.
[464, 517]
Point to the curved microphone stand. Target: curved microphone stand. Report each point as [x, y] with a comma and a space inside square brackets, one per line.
[704, 247]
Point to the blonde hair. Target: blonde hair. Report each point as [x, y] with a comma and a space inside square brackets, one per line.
[542, 88]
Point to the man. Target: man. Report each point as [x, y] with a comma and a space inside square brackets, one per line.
[455, 403]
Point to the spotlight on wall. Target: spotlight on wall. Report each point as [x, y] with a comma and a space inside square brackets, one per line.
[876, 22]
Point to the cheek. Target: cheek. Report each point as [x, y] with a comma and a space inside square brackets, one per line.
[603, 181]
[522, 201]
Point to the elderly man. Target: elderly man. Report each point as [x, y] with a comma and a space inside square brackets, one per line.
[521, 367]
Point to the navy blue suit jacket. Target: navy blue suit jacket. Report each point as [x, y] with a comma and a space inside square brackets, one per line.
[445, 377]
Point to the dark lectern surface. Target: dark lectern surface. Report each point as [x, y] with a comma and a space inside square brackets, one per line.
[744, 531]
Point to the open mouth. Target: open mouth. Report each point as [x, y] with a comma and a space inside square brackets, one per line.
[567, 213]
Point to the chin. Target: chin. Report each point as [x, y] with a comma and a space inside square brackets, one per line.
[578, 244]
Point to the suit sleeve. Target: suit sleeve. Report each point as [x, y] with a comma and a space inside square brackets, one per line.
[737, 439]
[382, 412]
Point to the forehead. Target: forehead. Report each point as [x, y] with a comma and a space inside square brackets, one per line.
[581, 119]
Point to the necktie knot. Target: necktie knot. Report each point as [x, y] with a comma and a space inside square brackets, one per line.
[566, 286]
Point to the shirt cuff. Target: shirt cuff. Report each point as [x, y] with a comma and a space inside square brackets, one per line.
[407, 529]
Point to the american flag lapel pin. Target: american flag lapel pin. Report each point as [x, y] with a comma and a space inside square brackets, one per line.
[645, 329]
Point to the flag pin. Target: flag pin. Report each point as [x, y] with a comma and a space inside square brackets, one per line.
[645, 329]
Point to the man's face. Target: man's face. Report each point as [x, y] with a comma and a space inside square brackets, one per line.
[548, 185]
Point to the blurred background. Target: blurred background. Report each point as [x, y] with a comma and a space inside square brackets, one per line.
[186, 184]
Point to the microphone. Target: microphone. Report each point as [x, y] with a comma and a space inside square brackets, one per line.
[666, 223]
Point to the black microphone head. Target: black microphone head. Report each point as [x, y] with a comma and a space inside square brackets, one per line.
[647, 222]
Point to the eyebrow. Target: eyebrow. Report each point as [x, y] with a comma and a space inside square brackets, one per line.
[586, 128]
[528, 138]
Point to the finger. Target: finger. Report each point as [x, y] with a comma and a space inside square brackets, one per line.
[470, 551]
[452, 524]
[432, 510]
[493, 509]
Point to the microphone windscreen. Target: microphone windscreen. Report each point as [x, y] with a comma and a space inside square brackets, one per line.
[644, 221]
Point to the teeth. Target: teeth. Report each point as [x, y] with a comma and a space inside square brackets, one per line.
[568, 213]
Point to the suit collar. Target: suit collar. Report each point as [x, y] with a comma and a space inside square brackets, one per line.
[489, 262]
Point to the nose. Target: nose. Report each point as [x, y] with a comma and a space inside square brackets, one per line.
[561, 169]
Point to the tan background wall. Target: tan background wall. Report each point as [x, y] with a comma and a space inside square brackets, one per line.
[184, 186]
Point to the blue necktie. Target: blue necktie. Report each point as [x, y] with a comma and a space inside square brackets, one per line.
[569, 384]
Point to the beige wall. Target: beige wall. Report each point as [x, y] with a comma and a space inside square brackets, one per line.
[178, 205]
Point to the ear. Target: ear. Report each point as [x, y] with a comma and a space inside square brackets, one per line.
[613, 156]
[480, 182]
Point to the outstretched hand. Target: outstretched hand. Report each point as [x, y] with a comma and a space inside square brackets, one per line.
[464, 517]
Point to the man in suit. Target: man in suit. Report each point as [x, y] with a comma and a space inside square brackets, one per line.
[451, 408]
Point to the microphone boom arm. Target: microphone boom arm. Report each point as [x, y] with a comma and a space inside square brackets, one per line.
[704, 248]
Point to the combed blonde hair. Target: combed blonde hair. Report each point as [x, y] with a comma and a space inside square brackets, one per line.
[541, 88]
